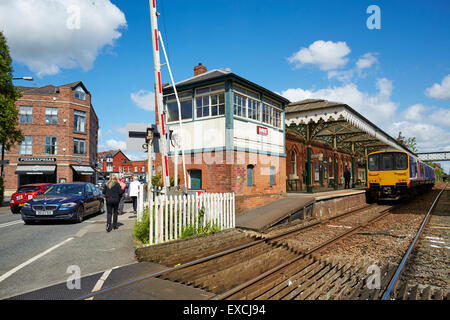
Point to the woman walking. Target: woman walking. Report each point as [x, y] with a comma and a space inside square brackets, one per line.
[113, 192]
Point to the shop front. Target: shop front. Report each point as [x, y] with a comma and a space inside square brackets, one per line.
[33, 170]
[83, 173]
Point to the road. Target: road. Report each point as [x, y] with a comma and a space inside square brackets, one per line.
[44, 254]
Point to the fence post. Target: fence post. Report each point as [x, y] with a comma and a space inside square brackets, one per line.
[233, 212]
[150, 219]
[161, 218]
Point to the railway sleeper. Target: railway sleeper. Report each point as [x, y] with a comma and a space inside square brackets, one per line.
[241, 272]
[284, 288]
[220, 263]
[262, 288]
[341, 283]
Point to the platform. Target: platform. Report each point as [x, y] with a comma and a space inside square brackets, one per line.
[298, 205]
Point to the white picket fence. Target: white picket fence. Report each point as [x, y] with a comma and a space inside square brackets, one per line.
[171, 214]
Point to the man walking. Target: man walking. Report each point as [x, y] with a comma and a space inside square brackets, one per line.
[134, 190]
[347, 176]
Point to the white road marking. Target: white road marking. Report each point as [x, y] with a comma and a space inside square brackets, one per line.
[11, 223]
[100, 282]
[11, 272]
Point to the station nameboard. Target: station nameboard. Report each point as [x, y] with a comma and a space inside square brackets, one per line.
[262, 130]
[36, 159]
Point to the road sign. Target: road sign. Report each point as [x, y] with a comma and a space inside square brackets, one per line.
[136, 134]
[4, 162]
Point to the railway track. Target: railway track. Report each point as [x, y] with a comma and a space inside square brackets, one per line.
[423, 272]
[279, 264]
[223, 270]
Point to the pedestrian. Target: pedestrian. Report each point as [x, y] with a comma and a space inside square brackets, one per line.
[133, 191]
[123, 186]
[113, 192]
[347, 176]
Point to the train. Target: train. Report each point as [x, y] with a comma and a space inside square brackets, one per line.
[394, 174]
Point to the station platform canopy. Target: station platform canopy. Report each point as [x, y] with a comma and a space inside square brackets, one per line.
[342, 128]
[339, 126]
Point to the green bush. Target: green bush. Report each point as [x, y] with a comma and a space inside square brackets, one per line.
[142, 229]
[2, 191]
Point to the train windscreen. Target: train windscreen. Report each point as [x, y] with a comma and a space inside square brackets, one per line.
[388, 161]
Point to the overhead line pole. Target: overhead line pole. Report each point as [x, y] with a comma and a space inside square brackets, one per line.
[158, 93]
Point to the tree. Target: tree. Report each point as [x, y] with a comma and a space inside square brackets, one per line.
[410, 143]
[9, 133]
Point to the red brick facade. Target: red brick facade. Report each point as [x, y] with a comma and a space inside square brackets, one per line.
[322, 158]
[63, 99]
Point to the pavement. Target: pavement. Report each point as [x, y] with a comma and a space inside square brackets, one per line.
[60, 261]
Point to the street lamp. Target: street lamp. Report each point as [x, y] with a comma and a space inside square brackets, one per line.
[24, 78]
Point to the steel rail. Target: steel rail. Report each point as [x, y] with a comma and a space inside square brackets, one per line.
[222, 253]
[323, 245]
[399, 270]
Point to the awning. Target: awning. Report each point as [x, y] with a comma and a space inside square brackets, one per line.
[35, 169]
[339, 126]
[83, 170]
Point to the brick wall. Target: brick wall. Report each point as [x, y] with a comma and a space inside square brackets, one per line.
[63, 130]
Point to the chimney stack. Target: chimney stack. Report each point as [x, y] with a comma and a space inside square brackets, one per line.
[199, 69]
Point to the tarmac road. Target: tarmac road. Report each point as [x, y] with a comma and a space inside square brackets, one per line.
[37, 256]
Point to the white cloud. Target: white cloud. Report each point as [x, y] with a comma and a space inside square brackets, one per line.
[366, 61]
[415, 112]
[377, 108]
[441, 117]
[440, 91]
[115, 144]
[48, 35]
[328, 55]
[144, 99]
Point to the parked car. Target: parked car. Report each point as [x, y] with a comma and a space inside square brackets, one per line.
[64, 201]
[25, 193]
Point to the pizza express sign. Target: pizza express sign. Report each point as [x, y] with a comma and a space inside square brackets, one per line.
[36, 159]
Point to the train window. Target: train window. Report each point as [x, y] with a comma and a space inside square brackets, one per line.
[388, 161]
[373, 162]
[401, 162]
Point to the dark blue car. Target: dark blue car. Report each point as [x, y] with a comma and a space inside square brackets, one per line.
[64, 201]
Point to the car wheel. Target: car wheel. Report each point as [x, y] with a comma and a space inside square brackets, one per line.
[80, 215]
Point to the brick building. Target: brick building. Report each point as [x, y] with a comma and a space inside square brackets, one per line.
[114, 161]
[60, 128]
[322, 163]
[233, 136]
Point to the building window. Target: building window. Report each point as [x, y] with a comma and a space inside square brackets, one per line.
[79, 121]
[135, 169]
[210, 101]
[51, 115]
[109, 167]
[294, 163]
[250, 175]
[202, 106]
[51, 145]
[26, 146]
[185, 105]
[79, 146]
[253, 109]
[195, 178]
[240, 105]
[25, 114]
[272, 176]
[143, 169]
[79, 93]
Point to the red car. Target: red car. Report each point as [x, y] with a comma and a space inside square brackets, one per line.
[25, 193]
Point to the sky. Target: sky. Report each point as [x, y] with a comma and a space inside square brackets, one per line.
[391, 63]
